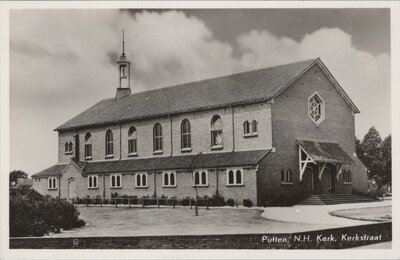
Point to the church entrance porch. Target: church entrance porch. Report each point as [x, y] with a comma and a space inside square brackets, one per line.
[320, 164]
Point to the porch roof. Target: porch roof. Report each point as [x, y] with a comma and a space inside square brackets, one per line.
[327, 152]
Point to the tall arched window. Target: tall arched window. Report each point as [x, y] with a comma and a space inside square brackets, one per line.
[88, 146]
[157, 138]
[138, 181]
[196, 178]
[246, 127]
[185, 135]
[109, 144]
[231, 177]
[132, 141]
[204, 178]
[216, 132]
[66, 148]
[254, 126]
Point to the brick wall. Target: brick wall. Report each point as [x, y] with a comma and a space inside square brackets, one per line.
[200, 134]
[239, 241]
[290, 121]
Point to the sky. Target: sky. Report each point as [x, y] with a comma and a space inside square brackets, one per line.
[63, 61]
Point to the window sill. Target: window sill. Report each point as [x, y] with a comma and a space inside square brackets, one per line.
[141, 187]
[234, 185]
[93, 188]
[158, 152]
[250, 135]
[109, 156]
[200, 186]
[174, 186]
[52, 188]
[68, 153]
[287, 183]
[347, 183]
[132, 154]
[186, 150]
[88, 158]
[217, 147]
[116, 188]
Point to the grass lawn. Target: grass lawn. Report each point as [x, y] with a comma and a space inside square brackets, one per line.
[380, 214]
[122, 221]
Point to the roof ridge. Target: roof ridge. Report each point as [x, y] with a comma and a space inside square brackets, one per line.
[223, 76]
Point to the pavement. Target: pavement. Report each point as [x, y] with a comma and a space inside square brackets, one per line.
[319, 214]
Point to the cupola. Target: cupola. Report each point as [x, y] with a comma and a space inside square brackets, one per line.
[124, 69]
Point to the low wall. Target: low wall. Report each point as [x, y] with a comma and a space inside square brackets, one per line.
[319, 239]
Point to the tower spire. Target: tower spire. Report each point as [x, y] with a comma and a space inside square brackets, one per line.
[123, 42]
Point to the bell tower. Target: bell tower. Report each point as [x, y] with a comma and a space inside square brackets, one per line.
[124, 69]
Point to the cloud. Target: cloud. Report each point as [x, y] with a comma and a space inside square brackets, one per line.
[64, 62]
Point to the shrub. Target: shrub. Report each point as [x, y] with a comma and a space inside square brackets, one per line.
[230, 202]
[32, 214]
[217, 201]
[247, 203]
[185, 201]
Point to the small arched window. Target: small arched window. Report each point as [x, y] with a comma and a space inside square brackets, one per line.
[144, 180]
[138, 181]
[169, 179]
[286, 177]
[70, 147]
[196, 178]
[115, 181]
[246, 127]
[235, 177]
[204, 178]
[66, 148]
[132, 141]
[157, 138]
[231, 177]
[92, 182]
[254, 124]
[109, 143]
[282, 175]
[88, 146]
[216, 132]
[347, 176]
[185, 135]
[238, 177]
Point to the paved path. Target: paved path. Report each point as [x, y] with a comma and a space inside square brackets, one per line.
[319, 214]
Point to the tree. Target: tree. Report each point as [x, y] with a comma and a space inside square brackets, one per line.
[15, 175]
[387, 159]
[372, 153]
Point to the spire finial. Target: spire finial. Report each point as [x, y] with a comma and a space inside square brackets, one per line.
[123, 42]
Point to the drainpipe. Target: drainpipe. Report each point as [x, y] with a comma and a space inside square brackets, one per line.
[155, 184]
[233, 130]
[120, 143]
[170, 119]
[104, 185]
[59, 187]
[216, 176]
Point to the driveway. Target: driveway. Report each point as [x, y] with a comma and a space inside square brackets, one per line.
[319, 214]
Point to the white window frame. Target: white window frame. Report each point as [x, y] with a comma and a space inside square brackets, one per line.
[133, 139]
[141, 186]
[168, 185]
[50, 183]
[97, 182]
[109, 144]
[235, 183]
[250, 124]
[157, 138]
[120, 181]
[200, 179]
[322, 117]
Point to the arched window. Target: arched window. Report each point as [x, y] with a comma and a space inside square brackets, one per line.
[238, 177]
[254, 124]
[216, 132]
[144, 180]
[283, 176]
[92, 182]
[66, 148]
[157, 138]
[132, 141]
[204, 178]
[185, 135]
[109, 143]
[235, 177]
[88, 146]
[52, 184]
[70, 147]
[166, 179]
[286, 177]
[169, 179]
[231, 177]
[138, 180]
[246, 127]
[115, 181]
[347, 176]
[196, 178]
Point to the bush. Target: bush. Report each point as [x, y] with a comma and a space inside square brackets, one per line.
[230, 202]
[32, 214]
[247, 203]
[217, 201]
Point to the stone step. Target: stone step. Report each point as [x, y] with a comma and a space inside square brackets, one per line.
[331, 199]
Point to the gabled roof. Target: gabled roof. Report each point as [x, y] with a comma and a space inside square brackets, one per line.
[327, 152]
[183, 162]
[242, 88]
[54, 170]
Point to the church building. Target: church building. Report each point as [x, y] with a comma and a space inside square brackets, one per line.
[286, 130]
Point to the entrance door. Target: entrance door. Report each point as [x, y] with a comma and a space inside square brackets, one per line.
[326, 181]
[308, 180]
[71, 189]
